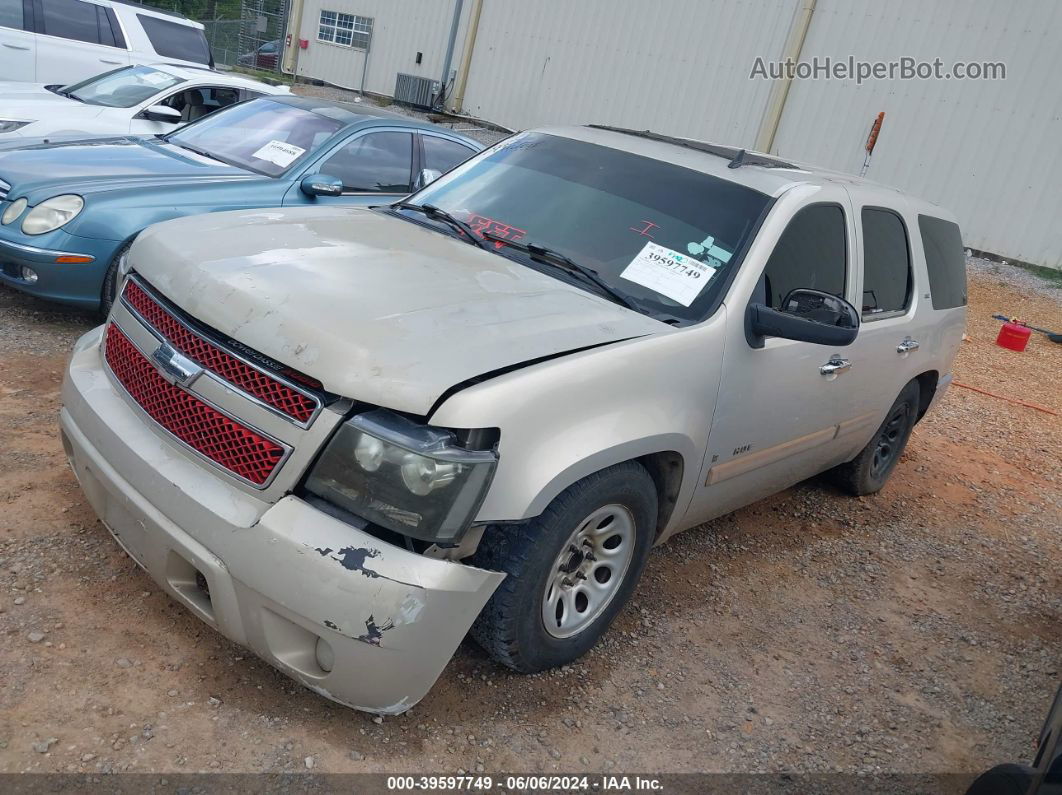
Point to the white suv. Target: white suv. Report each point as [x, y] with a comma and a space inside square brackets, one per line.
[65, 41]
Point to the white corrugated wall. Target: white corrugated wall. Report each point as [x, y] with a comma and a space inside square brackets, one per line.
[677, 66]
[401, 29]
[989, 151]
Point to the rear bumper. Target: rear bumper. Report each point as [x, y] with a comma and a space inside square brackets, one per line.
[357, 620]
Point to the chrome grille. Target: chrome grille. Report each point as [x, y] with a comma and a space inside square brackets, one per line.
[4, 190]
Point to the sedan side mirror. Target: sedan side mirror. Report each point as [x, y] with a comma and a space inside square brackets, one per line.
[425, 178]
[314, 185]
[806, 316]
[162, 113]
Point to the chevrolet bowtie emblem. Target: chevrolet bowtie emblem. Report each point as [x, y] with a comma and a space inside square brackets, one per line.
[175, 367]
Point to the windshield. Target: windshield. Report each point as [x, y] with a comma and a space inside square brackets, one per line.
[263, 136]
[664, 235]
[123, 88]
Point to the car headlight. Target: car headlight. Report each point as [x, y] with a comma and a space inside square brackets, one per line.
[13, 211]
[413, 479]
[52, 213]
[10, 125]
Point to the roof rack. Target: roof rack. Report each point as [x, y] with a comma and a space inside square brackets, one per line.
[162, 11]
[737, 157]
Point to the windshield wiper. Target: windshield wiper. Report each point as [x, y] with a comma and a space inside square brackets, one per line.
[193, 149]
[438, 214]
[555, 258]
[64, 93]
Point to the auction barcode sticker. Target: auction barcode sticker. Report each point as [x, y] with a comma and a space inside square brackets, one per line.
[279, 153]
[677, 276]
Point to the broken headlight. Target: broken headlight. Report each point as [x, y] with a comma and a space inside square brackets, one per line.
[413, 479]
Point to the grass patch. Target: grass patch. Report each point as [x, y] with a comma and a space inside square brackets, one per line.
[1050, 275]
[266, 76]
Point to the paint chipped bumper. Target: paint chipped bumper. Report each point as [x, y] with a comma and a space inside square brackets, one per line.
[362, 622]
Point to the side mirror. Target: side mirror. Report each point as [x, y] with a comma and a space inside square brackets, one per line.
[321, 185]
[162, 113]
[806, 316]
[425, 178]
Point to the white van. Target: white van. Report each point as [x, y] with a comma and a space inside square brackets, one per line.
[66, 41]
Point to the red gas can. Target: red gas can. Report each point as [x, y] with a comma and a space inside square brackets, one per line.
[1014, 336]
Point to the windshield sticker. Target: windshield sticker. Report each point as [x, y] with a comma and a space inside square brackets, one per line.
[156, 78]
[707, 251]
[672, 274]
[279, 153]
[481, 224]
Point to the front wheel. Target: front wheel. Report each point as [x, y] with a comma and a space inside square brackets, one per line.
[109, 290]
[569, 570]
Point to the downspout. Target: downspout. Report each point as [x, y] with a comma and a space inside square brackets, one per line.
[365, 65]
[448, 58]
[794, 45]
[466, 57]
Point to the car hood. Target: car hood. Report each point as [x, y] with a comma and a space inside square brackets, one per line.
[86, 166]
[377, 308]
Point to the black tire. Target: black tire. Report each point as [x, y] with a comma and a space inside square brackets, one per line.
[512, 628]
[868, 471]
[109, 290]
[1008, 779]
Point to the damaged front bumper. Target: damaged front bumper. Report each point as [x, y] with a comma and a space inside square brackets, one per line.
[360, 621]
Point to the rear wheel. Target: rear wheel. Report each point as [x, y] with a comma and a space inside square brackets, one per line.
[868, 471]
[570, 570]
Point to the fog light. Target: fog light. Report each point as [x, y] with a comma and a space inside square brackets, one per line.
[29, 276]
[326, 658]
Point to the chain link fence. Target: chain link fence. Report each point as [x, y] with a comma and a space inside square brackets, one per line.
[244, 33]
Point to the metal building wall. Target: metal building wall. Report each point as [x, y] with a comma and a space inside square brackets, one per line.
[678, 66]
[989, 151]
[401, 29]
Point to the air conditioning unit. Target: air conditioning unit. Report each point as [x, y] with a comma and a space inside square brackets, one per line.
[420, 92]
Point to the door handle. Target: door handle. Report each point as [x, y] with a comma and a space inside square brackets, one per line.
[907, 346]
[15, 46]
[835, 365]
[108, 60]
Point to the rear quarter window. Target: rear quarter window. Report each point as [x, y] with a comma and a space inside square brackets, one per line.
[945, 261]
[174, 40]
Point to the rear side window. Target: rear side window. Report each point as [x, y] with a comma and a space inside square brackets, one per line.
[945, 260]
[811, 254]
[73, 19]
[174, 40]
[442, 155]
[11, 14]
[886, 263]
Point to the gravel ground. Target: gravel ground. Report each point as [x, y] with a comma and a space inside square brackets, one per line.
[916, 630]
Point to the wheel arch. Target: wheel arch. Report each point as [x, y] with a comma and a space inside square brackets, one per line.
[927, 389]
[667, 459]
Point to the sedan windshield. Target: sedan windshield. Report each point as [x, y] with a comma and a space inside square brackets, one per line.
[263, 136]
[663, 235]
[122, 88]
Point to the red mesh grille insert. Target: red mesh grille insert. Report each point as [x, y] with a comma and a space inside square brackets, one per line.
[229, 444]
[268, 390]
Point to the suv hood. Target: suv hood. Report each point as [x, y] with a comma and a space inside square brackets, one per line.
[378, 309]
[87, 166]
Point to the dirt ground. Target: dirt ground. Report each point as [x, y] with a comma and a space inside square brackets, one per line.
[916, 630]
